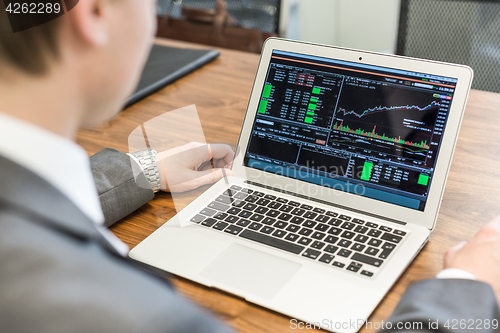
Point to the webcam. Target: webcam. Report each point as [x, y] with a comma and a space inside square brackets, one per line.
[360, 58]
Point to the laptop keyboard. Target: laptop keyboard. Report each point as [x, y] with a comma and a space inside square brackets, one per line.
[325, 236]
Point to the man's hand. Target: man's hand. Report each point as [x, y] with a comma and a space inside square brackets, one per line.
[479, 256]
[193, 165]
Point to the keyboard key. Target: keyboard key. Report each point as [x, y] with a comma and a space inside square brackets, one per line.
[271, 241]
[384, 228]
[274, 205]
[268, 221]
[366, 273]
[317, 245]
[358, 221]
[347, 225]
[371, 225]
[345, 217]
[335, 222]
[280, 224]
[309, 224]
[306, 207]
[263, 202]
[344, 243]
[209, 222]
[374, 242]
[372, 251]
[311, 254]
[261, 210]
[360, 229]
[259, 194]
[358, 247]
[387, 248]
[361, 238]
[285, 216]
[255, 226]
[231, 219]
[279, 233]
[243, 222]
[344, 253]
[319, 210]
[326, 258]
[250, 206]
[335, 231]
[270, 197]
[292, 237]
[347, 234]
[273, 213]
[257, 217]
[331, 249]
[297, 220]
[218, 206]
[354, 267]
[235, 187]
[286, 209]
[251, 198]
[318, 235]
[338, 264]
[229, 192]
[208, 212]
[332, 214]
[234, 210]
[391, 238]
[399, 232]
[238, 203]
[322, 218]
[310, 215]
[267, 229]
[298, 211]
[220, 225]
[322, 227]
[246, 190]
[240, 195]
[284, 201]
[220, 216]
[224, 199]
[331, 239]
[293, 228]
[245, 214]
[294, 203]
[233, 230]
[305, 232]
[197, 218]
[305, 241]
[367, 260]
[374, 233]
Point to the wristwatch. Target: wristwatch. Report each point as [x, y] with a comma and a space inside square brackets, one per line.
[146, 159]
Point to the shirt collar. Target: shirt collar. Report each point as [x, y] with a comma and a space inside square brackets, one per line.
[59, 161]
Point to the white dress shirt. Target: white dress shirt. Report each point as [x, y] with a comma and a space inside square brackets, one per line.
[60, 162]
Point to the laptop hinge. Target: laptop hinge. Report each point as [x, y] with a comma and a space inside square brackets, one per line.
[324, 202]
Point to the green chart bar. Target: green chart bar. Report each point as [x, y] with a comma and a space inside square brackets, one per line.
[367, 171]
[309, 113]
[312, 106]
[316, 91]
[263, 106]
[308, 120]
[423, 179]
[267, 91]
[314, 100]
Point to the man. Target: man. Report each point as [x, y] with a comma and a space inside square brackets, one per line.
[60, 270]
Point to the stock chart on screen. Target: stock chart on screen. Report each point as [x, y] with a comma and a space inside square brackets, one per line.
[342, 122]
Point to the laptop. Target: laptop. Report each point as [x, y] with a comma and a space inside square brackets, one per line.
[342, 163]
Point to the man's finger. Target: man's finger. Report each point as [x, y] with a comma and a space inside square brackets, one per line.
[452, 252]
[494, 223]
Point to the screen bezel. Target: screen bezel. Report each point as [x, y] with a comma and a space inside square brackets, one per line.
[426, 218]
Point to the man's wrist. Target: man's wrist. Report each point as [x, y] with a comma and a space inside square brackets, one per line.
[146, 160]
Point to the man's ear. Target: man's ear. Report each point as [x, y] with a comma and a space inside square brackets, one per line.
[90, 22]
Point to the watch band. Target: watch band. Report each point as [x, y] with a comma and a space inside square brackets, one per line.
[147, 160]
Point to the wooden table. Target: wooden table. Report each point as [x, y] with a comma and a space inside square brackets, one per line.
[220, 91]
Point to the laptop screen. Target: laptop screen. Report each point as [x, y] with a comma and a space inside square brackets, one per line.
[368, 130]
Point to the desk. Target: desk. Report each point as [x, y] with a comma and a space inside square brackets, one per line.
[220, 90]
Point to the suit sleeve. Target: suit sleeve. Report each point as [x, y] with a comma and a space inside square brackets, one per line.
[440, 302]
[121, 184]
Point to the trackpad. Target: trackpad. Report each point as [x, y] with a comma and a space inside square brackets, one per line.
[250, 271]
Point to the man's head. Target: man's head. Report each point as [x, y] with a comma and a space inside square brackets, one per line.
[95, 53]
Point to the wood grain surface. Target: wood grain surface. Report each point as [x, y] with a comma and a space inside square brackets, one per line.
[220, 92]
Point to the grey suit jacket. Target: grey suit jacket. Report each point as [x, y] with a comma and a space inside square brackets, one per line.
[58, 274]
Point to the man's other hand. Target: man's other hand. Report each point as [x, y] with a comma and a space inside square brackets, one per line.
[193, 165]
[479, 256]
